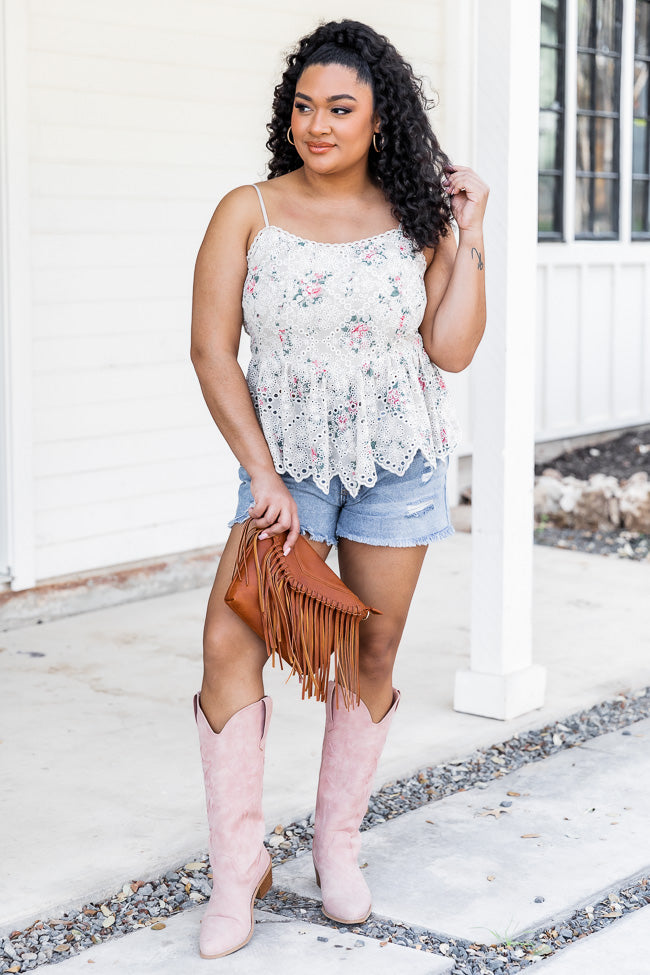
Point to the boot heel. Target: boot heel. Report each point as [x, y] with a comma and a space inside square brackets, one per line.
[317, 877]
[266, 884]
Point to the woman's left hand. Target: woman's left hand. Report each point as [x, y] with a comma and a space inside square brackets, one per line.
[468, 196]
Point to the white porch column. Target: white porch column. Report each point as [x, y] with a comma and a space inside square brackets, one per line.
[502, 681]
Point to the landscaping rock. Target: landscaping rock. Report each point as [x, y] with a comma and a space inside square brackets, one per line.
[597, 505]
[569, 502]
[634, 503]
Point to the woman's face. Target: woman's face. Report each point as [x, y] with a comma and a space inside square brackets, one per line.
[333, 120]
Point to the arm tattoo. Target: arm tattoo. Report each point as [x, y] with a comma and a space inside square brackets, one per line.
[480, 264]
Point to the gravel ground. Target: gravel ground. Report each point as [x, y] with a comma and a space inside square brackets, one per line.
[619, 458]
[623, 544]
[143, 903]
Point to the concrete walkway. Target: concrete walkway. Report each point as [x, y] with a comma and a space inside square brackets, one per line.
[577, 828]
[101, 775]
[278, 946]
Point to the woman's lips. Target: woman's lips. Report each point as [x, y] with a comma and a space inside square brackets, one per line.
[319, 146]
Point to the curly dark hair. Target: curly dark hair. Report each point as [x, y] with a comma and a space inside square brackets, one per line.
[410, 165]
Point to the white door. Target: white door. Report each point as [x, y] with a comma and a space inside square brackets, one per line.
[4, 500]
[16, 490]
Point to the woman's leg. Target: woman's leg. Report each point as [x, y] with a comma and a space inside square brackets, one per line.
[384, 578]
[232, 716]
[233, 656]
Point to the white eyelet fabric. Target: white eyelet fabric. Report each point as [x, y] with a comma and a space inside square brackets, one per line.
[338, 373]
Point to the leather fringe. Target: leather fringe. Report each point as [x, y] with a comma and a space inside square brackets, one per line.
[303, 628]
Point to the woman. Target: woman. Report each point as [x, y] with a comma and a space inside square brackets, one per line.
[353, 292]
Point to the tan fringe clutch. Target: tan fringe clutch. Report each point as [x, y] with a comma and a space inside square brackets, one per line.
[301, 609]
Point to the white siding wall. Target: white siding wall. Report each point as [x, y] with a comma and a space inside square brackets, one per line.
[143, 113]
[593, 333]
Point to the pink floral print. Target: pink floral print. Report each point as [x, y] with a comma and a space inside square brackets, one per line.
[338, 373]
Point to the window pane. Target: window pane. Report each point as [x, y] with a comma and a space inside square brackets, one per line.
[640, 146]
[607, 25]
[641, 87]
[582, 205]
[586, 11]
[640, 194]
[598, 218]
[606, 84]
[550, 22]
[548, 77]
[551, 119]
[642, 42]
[598, 26]
[595, 144]
[585, 65]
[549, 202]
[548, 141]
[597, 87]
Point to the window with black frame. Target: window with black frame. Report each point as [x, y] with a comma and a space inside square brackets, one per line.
[598, 119]
[641, 123]
[551, 121]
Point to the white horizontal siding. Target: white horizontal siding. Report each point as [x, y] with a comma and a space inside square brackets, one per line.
[54, 183]
[132, 416]
[122, 449]
[117, 483]
[59, 354]
[112, 316]
[141, 116]
[593, 364]
[100, 550]
[76, 388]
[89, 250]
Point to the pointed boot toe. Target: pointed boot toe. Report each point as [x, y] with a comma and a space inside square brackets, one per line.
[346, 895]
[223, 933]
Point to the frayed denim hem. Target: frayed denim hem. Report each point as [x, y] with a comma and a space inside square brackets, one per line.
[314, 536]
[404, 543]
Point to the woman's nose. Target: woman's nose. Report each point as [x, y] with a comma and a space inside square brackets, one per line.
[320, 122]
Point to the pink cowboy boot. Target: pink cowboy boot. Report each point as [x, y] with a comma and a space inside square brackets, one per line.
[233, 765]
[351, 750]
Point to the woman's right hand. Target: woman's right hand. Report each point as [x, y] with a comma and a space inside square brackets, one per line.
[274, 509]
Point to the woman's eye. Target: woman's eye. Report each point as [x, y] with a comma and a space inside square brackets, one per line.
[301, 108]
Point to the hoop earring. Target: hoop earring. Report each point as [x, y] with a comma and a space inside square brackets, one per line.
[289, 137]
[374, 142]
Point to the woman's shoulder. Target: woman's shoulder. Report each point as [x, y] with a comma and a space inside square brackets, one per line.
[241, 205]
[237, 217]
[241, 202]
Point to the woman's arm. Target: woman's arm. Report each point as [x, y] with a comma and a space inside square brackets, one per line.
[219, 278]
[454, 319]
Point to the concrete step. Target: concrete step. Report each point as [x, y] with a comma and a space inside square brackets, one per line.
[577, 829]
[277, 945]
[620, 948]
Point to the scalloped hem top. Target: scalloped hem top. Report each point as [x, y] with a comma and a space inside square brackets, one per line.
[338, 374]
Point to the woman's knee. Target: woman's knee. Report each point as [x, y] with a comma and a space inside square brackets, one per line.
[377, 657]
[228, 651]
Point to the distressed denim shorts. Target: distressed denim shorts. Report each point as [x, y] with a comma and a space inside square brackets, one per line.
[398, 511]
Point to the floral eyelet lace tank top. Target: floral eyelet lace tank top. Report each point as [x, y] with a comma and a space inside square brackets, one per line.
[338, 374]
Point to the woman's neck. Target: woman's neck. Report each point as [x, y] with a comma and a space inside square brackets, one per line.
[337, 188]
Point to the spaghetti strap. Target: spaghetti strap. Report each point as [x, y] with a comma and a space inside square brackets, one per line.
[266, 219]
